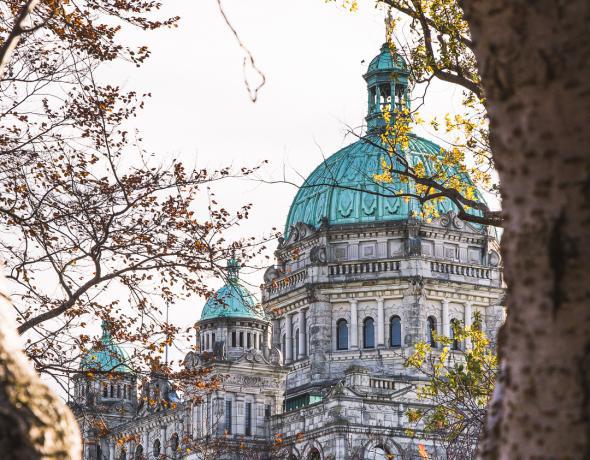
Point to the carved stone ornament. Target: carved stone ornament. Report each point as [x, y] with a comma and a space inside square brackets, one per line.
[271, 274]
[254, 356]
[319, 255]
[494, 258]
[191, 360]
[276, 356]
[451, 218]
[298, 232]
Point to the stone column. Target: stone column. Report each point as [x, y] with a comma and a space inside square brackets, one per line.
[289, 339]
[145, 442]
[163, 440]
[353, 324]
[468, 321]
[445, 318]
[380, 324]
[301, 338]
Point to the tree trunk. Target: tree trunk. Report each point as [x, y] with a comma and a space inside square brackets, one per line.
[34, 423]
[534, 59]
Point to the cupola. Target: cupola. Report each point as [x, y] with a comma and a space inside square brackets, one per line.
[387, 87]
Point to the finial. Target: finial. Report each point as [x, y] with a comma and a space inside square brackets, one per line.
[233, 269]
[106, 335]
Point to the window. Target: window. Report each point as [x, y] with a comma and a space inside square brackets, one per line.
[296, 344]
[138, 452]
[124, 391]
[260, 342]
[431, 331]
[157, 448]
[228, 417]
[248, 416]
[395, 331]
[249, 340]
[112, 391]
[105, 391]
[241, 338]
[369, 333]
[207, 341]
[400, 95]
[453, 330]
[123, 455]
[174, 442]
[118, 391]
[342, 335]
[213, 339]
[267, 411]
[233, 339]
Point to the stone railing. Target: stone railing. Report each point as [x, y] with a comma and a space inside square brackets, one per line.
[382, 384]
[459, 269]
[359, 267]
[288, 282]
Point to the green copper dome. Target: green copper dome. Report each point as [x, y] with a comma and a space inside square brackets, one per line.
[233, 300]
[385, 61]
[342, 190]
[109, 357]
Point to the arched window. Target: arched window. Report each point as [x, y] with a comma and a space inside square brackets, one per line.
[296, 344]
[377, 453]
[314, 454]
[342, 335]
[453, 331]
[123, 455]
[369, 333]
[139, 453]
[157, 448]
[174, 442]
[395, 331]
[431, 331]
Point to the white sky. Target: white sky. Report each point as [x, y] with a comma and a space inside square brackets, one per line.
[310, 53]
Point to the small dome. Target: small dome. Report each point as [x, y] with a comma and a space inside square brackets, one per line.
[233, 300]
[334, 191]
[386, 61]
[109, 357]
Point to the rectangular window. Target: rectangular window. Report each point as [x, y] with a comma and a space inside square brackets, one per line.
[267, 411]
[213, 339]
[248, 419]
[118, 391]
[241, 339]
[249, 340]
[104, 390]
[207, 341]
[233, 339]
[228, 416]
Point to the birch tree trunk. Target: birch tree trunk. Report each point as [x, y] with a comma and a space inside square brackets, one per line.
[534, 59]
[34, 423]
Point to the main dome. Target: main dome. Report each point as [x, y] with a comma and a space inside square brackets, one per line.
[231, 301]
[342, 190]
